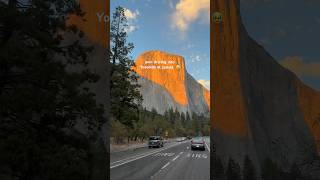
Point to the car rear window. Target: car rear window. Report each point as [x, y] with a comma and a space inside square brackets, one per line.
[154, 138]
[199, 139]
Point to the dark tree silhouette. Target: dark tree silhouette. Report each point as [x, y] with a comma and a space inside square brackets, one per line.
[270, 170]
[248, 172]
[217, 169]
[125, 95]
[233, 170]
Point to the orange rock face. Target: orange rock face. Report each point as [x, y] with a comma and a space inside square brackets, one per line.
[309, 102]
[96, 21]
[206, 94]
[229, 112]
[165, 69]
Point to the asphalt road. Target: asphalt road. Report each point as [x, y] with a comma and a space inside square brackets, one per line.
[174, 161]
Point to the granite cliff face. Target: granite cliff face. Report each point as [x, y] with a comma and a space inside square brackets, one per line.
[260, 108]
[166, 84]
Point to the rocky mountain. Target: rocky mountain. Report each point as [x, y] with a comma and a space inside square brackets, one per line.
[166, 84]
[260, 108]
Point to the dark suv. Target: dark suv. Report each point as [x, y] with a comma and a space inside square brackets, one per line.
[155, 141]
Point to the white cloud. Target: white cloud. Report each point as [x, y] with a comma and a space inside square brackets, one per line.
[170, 3]
[188, 11]
[204, 83]
[132, 17]
[198, 58]
[188, 47]
[300, 67]
[131, 28]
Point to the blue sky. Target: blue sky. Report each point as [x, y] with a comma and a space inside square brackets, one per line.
[175, 26]
[290, 31]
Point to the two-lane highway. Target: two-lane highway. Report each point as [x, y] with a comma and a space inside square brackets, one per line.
[174, 161]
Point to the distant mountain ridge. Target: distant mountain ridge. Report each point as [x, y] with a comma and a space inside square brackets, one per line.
[166, 84]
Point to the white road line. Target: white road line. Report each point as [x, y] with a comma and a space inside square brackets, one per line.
[133, 157]
[175, 158]
[129, 157]
[165, 165]
[207, 146]
[139, 157]
[155, 151]
[168, 163]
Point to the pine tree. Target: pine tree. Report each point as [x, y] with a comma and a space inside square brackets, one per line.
[153, 113]
[188, 118]
[233, 170]
[249, 172]
[270, 170]
[183, 119]
[295, 172]
[195, 124]
[171, 116]
[125, 96]
[217, 169]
